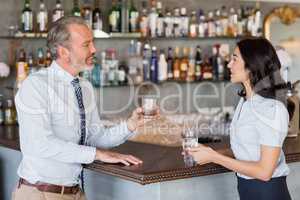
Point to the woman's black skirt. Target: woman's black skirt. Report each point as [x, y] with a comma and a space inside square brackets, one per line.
[253, 189]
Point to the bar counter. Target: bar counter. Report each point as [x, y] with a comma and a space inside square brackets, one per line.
[161, 163]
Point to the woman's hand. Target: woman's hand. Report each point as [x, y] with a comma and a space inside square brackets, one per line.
[202, 154]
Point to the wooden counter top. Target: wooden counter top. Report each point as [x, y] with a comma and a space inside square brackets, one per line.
[161, 163]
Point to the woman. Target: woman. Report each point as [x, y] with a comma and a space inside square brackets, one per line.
[259, 125]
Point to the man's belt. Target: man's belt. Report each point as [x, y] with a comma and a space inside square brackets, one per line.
[45, 187]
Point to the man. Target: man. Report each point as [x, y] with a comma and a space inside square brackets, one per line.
[59, 124]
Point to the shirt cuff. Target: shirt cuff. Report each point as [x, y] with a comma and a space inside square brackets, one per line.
[87, 154]
[126, 131]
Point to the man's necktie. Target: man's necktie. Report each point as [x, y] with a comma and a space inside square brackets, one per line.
[78, 93]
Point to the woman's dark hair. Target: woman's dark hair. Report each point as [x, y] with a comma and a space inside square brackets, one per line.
[263, 65]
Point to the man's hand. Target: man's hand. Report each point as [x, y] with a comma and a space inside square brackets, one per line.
[113, 157]
[137, 119]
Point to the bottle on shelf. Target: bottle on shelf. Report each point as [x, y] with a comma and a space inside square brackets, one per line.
[216, 62]
[40, 58]
[97, 18]
[176, 23]
[27, 18]
[48, 59]
[193, 30]
[176, 65]
[218, 23]
[184, 22]
[198, 64]
[191, 69]
[224, 20]
[169, 24]
[133, 18]
[96, 71]
[146, 62]
[113, 65]
[202, 28]
[104, 70]
[31, 65]
[211, 26]
[184, 65]
[76, 9]
[154, 66]
[144, 20]
[87, 13]
[232, 23]
[42, 18]
[257, 25]
[115, 24]
[153, 16]
[122, 75]
[134, 61]
[22, 68]
[10, 113]
[162, 67]
[160, 21]
[170, 63]
[2, 113]
[207, 71]
[58, 12]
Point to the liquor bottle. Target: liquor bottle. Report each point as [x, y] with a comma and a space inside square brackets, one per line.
[202, 28]
[132, 64]
[133, 18]
[10, 114]
[48, 58]
[169, 24]
[154, 66]
[198, 64]
[193, 25]
[250, 20]
[162, 67]
[87, 14]
[214, 62]
[146, 62]
[115, 18]
[42, 18]
[144, 20]
[170, 63]
[31, 65]
[207, 71]
[27, 17]
[58, 12]
[224, 19]
[191, 69]
[2, 114]
[160, 21]
[184, 65]
[96, 73]
[177, 21]
[104, 70]
[232, 23]
[218, 23]
[176, 65]
[113, 64]
[153, 15]
[211, 25]
[139, 63]
[257, 26]
[97, 17]
[122, 75]
[76, 9]
[22, 67]
[40, 58]
[241, 24]
[184, 24]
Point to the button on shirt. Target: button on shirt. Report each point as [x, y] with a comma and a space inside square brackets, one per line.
[49, 125]
[259, 121]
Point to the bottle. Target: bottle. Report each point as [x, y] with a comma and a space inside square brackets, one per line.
[2, 113]
[48, 58]
[27, 17]
[31, 65]
[162, 67]
[250, 21]
[58, 12]
[10, 114]
[202, 28]
[97, 17]
[122, 75]
[176, 65]
[215, 63]
[113, 64]
[132, 64]
[76, 9]
[232, 23]
[96, 73]
[211, 25]
[224, 21]
[115, 18]
[169, 25]
[153, 15]
[177, 21]
[191, 69]
[184, 24]
[154, 66]
[146, 62]
[22, 67]
[198, 64]
[184, 65]
[160, 20]
[218, 23]
[104, 70]
[240, 24]
[144, 20]
[87, 14]
[42, 18]
[40, 58]
[133, 18]
[193, 30]
[257, 26]
[207, 71]
[170, 63]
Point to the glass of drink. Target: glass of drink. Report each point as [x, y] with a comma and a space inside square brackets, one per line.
[189, 140]
[149, 105]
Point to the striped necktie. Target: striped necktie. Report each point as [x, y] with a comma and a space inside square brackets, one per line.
[78, 93]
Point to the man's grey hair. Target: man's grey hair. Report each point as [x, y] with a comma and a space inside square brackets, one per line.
[59, 33]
